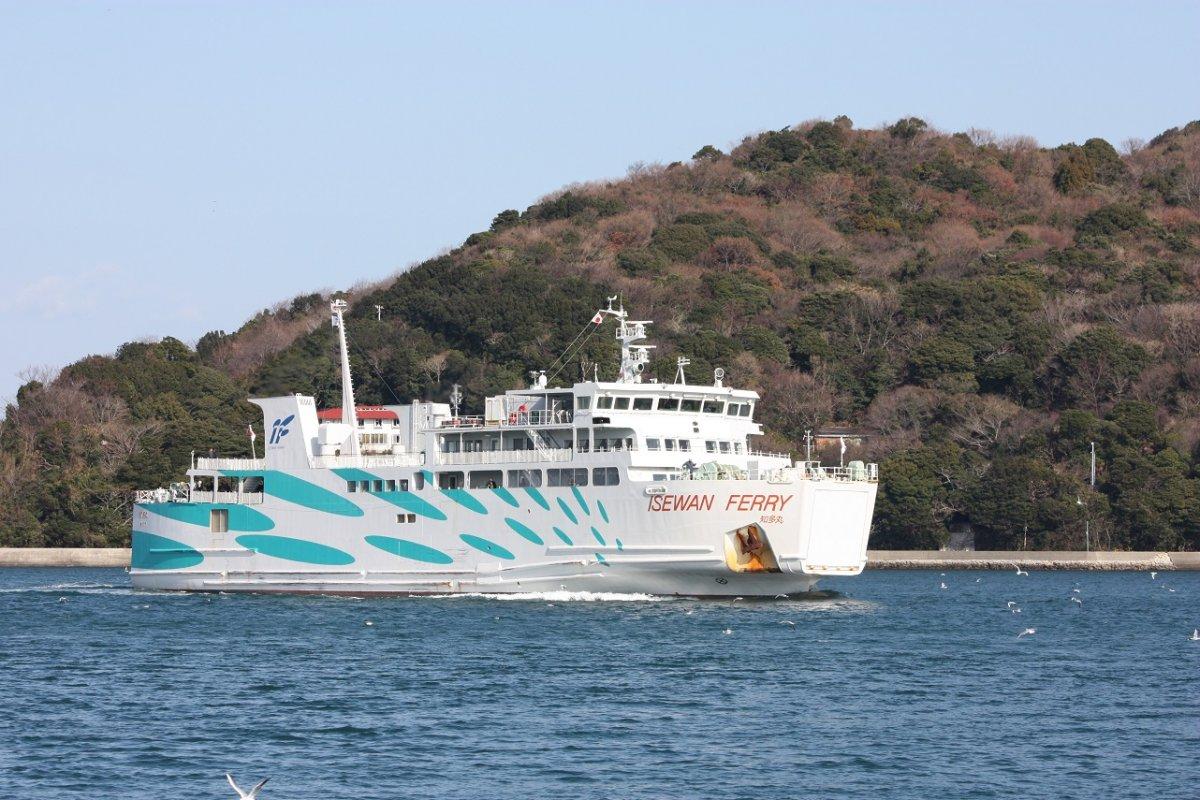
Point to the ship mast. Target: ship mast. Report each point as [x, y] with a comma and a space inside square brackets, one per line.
[349, 413]
[634, 357]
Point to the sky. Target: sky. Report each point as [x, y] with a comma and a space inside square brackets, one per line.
[172, 168]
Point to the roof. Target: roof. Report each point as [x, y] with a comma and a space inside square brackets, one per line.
[363, 412]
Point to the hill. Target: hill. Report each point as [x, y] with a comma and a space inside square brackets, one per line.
[983, 308]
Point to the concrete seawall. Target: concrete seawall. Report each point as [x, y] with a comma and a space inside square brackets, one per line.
[876, 559]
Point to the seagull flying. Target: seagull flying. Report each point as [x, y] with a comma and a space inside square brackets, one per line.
[1027, 632]
[1020, 571]
[250, 795]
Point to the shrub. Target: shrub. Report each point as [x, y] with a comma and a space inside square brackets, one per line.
[1113, 219]
[1074, 174]
[681, 242]
[641, 261]
[907, 129]
[506, 219]
[938, 356]
[707, 153]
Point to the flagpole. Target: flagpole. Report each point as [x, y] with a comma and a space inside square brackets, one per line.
[253, 451]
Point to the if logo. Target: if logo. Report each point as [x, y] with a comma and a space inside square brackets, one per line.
[279, 429]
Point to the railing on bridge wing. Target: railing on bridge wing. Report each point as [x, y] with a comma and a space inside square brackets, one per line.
[506, 456]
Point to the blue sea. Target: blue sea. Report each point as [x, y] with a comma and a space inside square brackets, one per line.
[896, 688]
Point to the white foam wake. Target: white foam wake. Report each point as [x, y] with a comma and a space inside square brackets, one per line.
[559, 596]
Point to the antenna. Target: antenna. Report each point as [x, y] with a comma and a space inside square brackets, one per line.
[680, 363]
[378, 313]
[455, 398]
[718, 376]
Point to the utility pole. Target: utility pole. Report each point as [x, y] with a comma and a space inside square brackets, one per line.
[808, 445]
[378, 313]
[1087, 522]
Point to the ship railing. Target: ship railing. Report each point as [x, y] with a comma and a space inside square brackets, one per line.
[554, 454]
[765, 454]
[368, 461]
[220, 464]
[197, 496]
[854, 472]
[517, 419]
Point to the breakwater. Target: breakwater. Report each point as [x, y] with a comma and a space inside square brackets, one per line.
[876, 559]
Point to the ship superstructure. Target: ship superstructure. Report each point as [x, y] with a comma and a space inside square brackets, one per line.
[615, 486]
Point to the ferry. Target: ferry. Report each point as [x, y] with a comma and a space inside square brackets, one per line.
[620, 486]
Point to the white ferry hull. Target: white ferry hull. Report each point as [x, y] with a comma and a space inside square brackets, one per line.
[310, 535]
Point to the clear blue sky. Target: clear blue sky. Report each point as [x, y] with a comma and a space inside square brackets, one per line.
[168, 169]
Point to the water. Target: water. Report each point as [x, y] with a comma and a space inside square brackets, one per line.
[897, 689]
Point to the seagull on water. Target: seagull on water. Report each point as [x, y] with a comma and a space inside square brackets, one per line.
[944, 586]
[1021, 571]
[778, 596]
[250, 795]
[1153, 575]
[1011, 604]
[1196, 635]
[787, 622]
[1027, 632]
[1077, 591]
[727, 631]
[1075, 599]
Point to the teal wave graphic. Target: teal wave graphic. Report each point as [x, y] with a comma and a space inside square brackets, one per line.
[301, 492]
[565, 539]
[599, 537]
[603, 511]
[406, 549]
[465, 499]
[537, 497]
[506, 496]
[241, 518]
[566, 509]
[151, 551]
[524, 530]
[300, 550]
[579, 499]
[485, 546]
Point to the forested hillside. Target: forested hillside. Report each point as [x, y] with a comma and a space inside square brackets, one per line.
[982, 308]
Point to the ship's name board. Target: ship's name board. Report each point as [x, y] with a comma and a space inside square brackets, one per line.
[705, 502]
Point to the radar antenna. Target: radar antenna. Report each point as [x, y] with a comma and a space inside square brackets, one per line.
[680, 363]
[455, 399]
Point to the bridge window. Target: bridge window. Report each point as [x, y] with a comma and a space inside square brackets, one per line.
[668, 404]
[710, 447]
[737, 447]
[620, 404]
[733, 409]
[670, 444]
[604, 401]
[691, 406]
[583, 403]
[724, 447]
[605, 476]
[685, 445]
[522, 478]
[643, 403]
[218, 520]
[652, 444]
[712, 406]
[745, 410]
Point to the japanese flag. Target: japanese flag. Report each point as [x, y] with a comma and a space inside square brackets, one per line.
[596, 320]
[250, 430]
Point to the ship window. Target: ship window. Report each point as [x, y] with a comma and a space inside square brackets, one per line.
[668, 404]
[566, 477]
[643, 403]
[351, 486]
[218, 520]
[403, 485]
[419, 480]
[364, 486]
[377, 485]
[583, 403]
[522, 478]
[450, 480]
[724, 447]
[604, 402]
[486, 479]
[685, 445]
[712, 406]
[745, 410]
[391, 486]
[620, 403]
[670, 444]
[605, 476]
[406, 518]
[737, 447]
[691, 405]
[652, 444]
[710, 447]
[732, 409]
